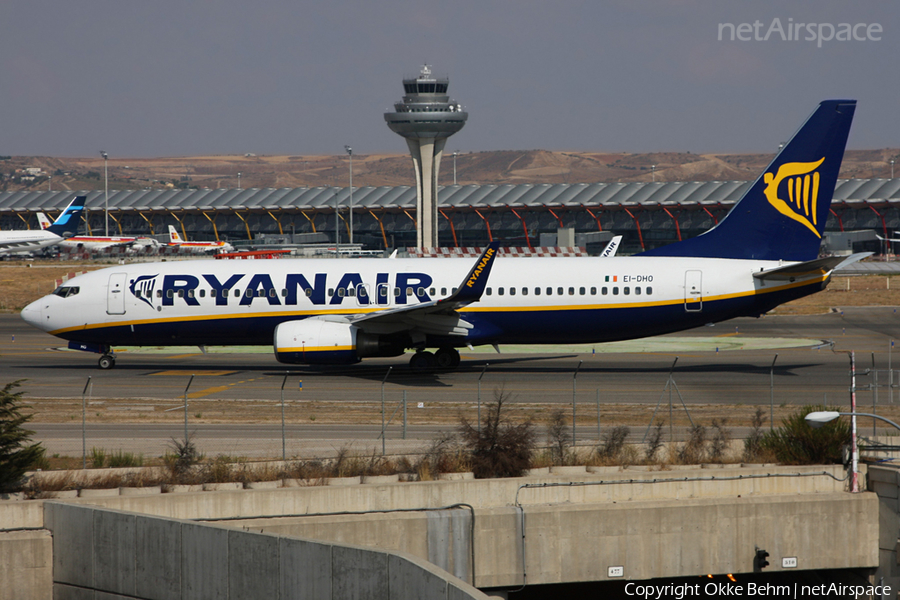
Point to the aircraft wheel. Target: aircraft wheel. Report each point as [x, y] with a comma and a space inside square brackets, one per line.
[106, 362]
[422, 361]
[446, 358]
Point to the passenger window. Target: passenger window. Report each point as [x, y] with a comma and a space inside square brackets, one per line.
[181, 293]
[537, 291]
[409, 291]
[593, 291]
[581, 291]
[225, 293]
[627, 290]
[512, 291]
[341, 292]
[420, 292]
[351, 292]
[571, 291]
[559, 291]
[549, 291]
[170, 294]
[637, 290]
[604, 290]
[615, 291]
[271, 292]
[248, 293]
[203, 293]
[524, 291]
[443, 291]
[431, 292]
[331, 291]
[190, 293]
[454, 291]
[649, 290]
[500, 291]
[237, 293]
[488, 291]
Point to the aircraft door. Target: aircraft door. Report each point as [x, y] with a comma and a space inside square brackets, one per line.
[693, 291]
[115, 296]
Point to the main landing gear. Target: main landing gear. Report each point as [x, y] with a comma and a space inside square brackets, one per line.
[443, 359]
[107, 361]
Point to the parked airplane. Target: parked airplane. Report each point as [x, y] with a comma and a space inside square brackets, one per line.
[175, 240]
[16, 242]
[762, 254]
[89, 243]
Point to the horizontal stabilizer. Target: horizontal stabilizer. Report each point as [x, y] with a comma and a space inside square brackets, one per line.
[819, 266]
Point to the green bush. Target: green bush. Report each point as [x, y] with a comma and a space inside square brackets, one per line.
[796, 443]
[16, 455]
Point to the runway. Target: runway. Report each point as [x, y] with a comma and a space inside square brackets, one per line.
[802, 375]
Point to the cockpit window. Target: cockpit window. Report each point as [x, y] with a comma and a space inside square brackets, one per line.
[65, 291]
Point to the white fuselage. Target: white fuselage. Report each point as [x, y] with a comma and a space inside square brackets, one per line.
[527, 300]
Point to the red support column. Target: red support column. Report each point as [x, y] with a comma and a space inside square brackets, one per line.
[452, 228]
[524, 227]
[486, 224]
[677, 228]
[637, 226]
[596, 218]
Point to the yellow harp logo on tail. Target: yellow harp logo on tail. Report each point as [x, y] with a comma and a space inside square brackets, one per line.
[803, 192]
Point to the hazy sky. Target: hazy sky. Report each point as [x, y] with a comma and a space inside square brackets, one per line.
[181, 77]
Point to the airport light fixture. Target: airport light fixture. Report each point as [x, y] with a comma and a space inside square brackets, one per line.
[819, 418]
[350, 154]
[892, 168]
[456, 153]
[105, 192]
[239, 180]
[653, 171]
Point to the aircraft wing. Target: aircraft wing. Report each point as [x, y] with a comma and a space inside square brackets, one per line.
[437, 316]
[819, 266]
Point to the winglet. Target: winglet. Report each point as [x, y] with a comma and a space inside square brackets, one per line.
[472, 287]
[67, 222]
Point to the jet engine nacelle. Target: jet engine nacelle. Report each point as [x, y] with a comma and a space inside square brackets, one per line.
[324, 342]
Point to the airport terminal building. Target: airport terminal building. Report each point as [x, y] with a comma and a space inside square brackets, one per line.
[524, 215]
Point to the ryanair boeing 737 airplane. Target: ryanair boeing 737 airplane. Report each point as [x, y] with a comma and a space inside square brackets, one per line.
[762, 254]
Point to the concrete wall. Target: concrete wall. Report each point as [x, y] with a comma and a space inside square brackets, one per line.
[649, 539]
[125, 555]
[884, 480]
[623, 486]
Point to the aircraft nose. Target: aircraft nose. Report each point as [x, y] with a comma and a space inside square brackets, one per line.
[31, 314]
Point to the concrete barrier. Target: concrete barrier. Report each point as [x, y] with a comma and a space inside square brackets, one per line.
[126, 555]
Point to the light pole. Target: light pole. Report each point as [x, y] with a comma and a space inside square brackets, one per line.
[892, 168]
[574, 390]
[456, 153]
[350, 154]
[819, 418]
[653, 171]
[239, 180]
[337, 226]
[106, 192]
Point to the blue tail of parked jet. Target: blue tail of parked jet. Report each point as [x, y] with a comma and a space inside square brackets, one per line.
[66, 225]
[782, 216]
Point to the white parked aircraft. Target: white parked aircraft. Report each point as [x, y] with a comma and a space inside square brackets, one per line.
[175, 240]
[89, 243]
[17, 242]
[762, 254]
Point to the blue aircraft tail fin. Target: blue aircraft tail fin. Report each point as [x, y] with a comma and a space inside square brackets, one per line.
[782, 215]
[68, 221]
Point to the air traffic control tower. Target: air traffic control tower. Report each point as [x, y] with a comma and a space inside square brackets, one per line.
[426, 117]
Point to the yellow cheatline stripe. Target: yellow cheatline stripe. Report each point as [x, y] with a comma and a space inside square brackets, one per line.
[470, 308]
[317, 349]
